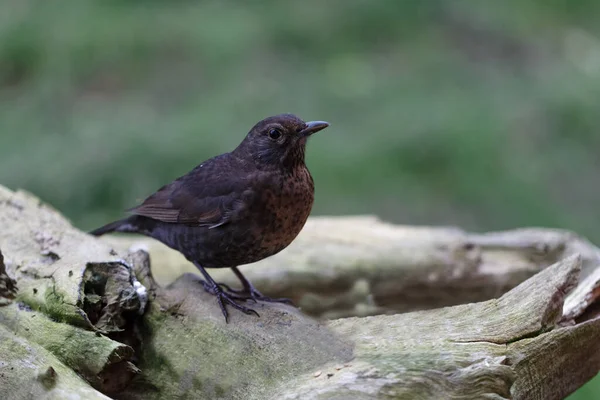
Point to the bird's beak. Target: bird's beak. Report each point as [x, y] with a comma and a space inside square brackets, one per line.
[313, 127]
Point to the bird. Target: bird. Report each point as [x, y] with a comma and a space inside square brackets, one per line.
[235, 208]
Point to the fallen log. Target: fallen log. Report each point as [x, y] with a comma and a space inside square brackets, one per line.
[358, 266]
[91, 317]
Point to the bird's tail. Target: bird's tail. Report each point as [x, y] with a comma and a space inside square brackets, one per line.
[122, 225]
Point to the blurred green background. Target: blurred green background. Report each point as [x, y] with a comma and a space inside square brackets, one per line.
[478, 114]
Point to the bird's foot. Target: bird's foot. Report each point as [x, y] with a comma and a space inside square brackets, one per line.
[224, 298]
[251, 293]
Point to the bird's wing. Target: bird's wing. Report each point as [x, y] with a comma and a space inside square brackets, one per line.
[204, 197]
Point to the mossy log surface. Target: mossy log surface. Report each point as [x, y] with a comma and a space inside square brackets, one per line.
[82, 317]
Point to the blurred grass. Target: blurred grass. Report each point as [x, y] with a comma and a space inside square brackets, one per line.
[478, 114]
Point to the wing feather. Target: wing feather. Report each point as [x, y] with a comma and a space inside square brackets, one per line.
[203, 197]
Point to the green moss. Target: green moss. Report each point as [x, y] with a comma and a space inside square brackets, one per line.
[56, 308]
[82, 350]
[29, 371]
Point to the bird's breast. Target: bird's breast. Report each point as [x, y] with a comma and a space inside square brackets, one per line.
[287, 206]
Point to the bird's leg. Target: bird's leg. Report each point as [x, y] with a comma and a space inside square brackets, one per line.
[222, 297]
[250, 292]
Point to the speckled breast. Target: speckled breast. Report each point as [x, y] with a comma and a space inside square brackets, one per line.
[288, 207]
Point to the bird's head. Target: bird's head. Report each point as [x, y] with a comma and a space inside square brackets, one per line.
[280, 140]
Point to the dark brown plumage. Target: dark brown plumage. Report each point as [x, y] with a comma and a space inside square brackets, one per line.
[235, 208]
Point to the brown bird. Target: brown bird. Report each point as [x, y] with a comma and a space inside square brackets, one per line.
[235, 208]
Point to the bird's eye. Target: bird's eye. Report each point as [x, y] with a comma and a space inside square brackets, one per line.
[274, 133]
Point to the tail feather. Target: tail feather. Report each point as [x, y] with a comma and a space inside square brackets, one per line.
[122, 225]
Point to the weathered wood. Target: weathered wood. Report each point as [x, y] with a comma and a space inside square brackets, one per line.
[537, 341]
[497, 349]
[357, 266]
[67, 281]
[28, 371]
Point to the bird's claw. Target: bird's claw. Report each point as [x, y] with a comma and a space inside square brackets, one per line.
[227, 298]
[253, 294]
[224, 298]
